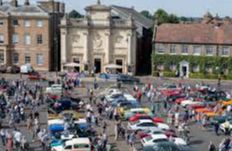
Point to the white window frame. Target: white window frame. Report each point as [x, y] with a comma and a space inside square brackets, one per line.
[39, 39]
[15, 38]
[184, 47]
[14, 56]
[39, 23]
[25, 60]
[160, 48]
[171, 49]
[197, 48]
[27, 39]
[209, 48]
[1, 38]
[39, 59]
[2, 59]
[27, 23]
[13, 22]
[223, 51]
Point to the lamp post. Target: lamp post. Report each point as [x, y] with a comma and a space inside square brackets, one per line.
[62, 75]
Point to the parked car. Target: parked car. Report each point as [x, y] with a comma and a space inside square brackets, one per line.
[154, 139]
[13, 69]
[138, 117]
[167, 146]
[127, 79]
[77, 144]
[35, 76]
[132, 112]
[54, 89]
[3, 69]
[27, 68]
[147, 125]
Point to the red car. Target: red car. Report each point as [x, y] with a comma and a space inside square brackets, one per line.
[145, 116]
[36, 76]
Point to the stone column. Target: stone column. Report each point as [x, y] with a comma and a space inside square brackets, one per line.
[86, 50]
[64, 48]
[107, 50]
[129, 54]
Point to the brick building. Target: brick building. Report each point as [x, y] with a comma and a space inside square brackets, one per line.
[211, 38]
[27, 33]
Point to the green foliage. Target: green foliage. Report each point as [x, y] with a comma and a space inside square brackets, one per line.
[146, 14]
[218, 64]
[169, 74]
[161, 16]
[74, 14]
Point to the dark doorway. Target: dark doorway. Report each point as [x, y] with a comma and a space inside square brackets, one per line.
[77, 69]
[97, 65]
[184, 70]
[120, 63]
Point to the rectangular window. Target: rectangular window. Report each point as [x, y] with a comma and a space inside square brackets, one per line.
[39, 23]
[209, 50]
[1, 38]
[160, 48]
[15, 58]
[184, 49]
[39, 39]
[39, 59]
[1, 22]
[76, 60]
[225, 51]
[2, 58]
[15, 22]
[27, 58]
[173, 49]
[15, 38]
[27, 23]
[197, 50]
[27, 39]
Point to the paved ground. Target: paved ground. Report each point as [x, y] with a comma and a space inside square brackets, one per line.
[199, 138]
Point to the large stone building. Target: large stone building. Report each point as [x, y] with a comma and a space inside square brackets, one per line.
[101, 38]
[193, 48]
[26, 33]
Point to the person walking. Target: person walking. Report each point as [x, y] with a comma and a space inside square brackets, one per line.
[216, 128]
[3, 136]
[211, 147]
[10, 143]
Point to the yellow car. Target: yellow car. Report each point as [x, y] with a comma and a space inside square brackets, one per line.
[226, 103]
[75, 115]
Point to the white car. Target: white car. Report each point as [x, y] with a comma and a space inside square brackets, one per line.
[179, 141]
[147, 125]
[54, 89]
[153, 139]
[185, 103]
[76, 144]
[113, 96]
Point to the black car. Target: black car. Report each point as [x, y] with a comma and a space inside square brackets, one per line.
[167, 146]
[64, 104]
[127, 79]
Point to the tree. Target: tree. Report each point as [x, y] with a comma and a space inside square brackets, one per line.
[173, 19]
[161, 16]
[146, 14]
[74, 14]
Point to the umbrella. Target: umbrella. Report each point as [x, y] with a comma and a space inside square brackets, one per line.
[113, 66]
[72, 64]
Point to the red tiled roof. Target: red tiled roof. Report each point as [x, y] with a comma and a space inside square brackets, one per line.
[194, 33]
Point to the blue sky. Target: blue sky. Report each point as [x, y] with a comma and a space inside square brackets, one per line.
[194, 8]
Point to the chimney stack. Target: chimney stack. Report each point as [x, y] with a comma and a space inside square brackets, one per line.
[14, 3]
[26, 2]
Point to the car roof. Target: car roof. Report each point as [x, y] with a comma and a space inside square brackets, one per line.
[145, 121]
[137, 109]
[78, 141]
[158, 136]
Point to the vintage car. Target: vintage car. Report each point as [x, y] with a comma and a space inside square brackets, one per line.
[188, 102]
[145, 116]
[226, 127]
[66, 114]
[36, 76]
[54, 89]
[77, 144]
[154, 139]
[147, 125]
[131, 112]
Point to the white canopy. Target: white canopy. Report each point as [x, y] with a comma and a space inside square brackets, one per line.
[113, 66]
[72, 64]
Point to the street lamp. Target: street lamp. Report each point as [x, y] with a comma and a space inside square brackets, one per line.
[62, 75]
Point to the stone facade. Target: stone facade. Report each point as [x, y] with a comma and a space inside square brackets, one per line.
[98, 40]
[26, 36]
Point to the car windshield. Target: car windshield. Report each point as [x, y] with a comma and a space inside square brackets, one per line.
[148, 138]
[160, 140]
